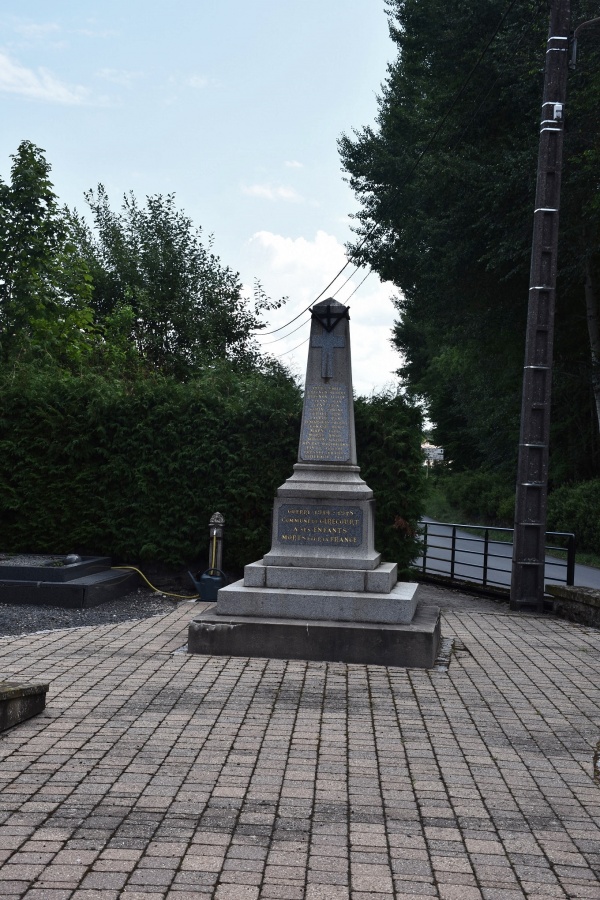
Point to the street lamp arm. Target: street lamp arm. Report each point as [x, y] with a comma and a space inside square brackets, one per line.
[575, 35]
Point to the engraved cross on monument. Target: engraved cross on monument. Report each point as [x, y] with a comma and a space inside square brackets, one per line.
[328, 341]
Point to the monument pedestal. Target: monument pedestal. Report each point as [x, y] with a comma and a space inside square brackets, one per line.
[414, 645]
[322, 591]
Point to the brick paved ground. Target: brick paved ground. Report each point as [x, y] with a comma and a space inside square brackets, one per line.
[155, 774]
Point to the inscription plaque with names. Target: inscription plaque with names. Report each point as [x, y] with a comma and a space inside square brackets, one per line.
[326, 427]
[320, 523]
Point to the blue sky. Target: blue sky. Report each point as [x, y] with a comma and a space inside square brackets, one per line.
[235, 106]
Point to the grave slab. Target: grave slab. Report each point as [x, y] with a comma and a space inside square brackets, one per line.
[49, 581]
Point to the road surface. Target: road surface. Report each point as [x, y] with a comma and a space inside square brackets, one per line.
[468, 564]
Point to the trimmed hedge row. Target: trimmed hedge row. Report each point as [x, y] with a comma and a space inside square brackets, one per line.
[388, 447]
[134, 469]
[576, 507]
[480, 495]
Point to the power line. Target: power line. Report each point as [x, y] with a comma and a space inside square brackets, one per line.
[413, 169]
[284, 336]
[302, 324]
[441, 125]
[312, 302]
[360, 283]
[281, 327]
[487, 90]
[285, 352]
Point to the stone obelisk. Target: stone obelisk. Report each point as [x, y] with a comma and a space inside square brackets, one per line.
[324, 514]
[322, 591]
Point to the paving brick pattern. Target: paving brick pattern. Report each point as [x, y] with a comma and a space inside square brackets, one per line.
[154, 774]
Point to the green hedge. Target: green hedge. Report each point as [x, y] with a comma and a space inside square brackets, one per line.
[576, 507]
[388, 446]
[480, 496]
[134, 468]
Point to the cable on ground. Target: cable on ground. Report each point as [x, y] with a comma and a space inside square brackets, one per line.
[158, 590]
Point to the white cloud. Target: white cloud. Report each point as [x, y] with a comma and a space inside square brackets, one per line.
[301, 268]
[293, 164]
[121, 77]
[39, 84]
[96, 33]
[196, 81]
[267, 192]
[34, 30]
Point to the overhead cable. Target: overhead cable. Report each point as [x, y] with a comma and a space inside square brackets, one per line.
[414, 167]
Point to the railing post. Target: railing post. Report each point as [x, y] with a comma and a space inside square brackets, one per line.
[453, 551]
[571, 560]
[486, 543]
[425, 550]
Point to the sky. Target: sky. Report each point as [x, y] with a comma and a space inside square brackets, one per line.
[235, 106]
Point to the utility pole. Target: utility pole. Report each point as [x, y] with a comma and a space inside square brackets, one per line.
[527, 583]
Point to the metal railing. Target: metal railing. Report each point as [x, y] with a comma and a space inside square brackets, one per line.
[477, 553]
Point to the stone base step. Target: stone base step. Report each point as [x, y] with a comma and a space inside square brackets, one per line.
[375, 581]
[395, 608]
[20, 701]
[414, 646]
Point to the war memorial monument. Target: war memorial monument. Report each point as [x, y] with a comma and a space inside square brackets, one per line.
[322, 591]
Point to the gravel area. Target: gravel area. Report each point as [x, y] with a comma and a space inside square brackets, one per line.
[139, 604]
[143, 603]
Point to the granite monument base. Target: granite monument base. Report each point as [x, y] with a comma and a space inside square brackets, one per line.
[414, 645]
[395, 607]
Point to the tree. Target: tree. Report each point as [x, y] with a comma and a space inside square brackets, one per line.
[160, 288]
[449, 222]
[45, 287]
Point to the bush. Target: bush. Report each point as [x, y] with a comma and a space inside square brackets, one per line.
[388, 443]
[134, 468]
[480, 496]
[576, 508]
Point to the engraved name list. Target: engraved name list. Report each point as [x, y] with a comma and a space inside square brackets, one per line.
[325, 428]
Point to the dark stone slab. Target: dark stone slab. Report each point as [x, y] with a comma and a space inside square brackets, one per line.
[79, 593]
[20, 701]
[59, 573]
[414, 646]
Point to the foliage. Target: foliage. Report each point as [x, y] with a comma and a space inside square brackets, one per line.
[134, 469]
[574, 507]
[481, 496]
[45, 288]
[158, 288]
[388, 441]
[133, 399]
[452, 229]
